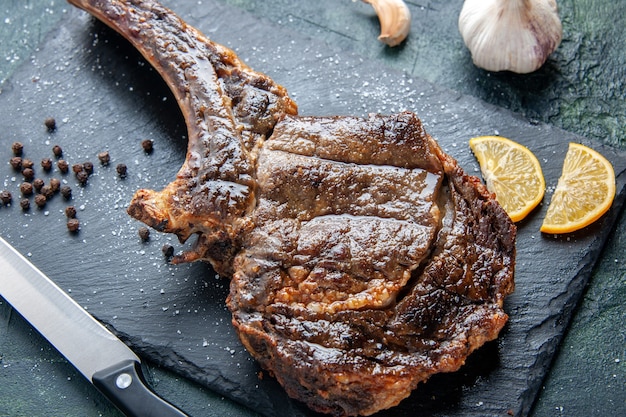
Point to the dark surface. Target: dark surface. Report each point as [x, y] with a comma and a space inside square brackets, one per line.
[176, 316]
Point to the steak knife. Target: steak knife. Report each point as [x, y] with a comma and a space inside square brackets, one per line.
[101, 357]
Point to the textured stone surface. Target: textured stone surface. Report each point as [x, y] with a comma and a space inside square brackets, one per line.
[581, 89]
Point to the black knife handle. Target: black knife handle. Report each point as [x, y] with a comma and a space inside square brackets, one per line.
[124, 385]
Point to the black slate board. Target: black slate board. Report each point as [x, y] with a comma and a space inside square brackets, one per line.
[105, 97]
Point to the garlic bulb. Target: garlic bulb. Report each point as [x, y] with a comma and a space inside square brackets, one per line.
[395, 20]
[510, 35]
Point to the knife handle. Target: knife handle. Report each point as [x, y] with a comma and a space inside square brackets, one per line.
[125, 386]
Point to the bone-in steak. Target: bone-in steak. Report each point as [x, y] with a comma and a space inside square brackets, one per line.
[363, 258]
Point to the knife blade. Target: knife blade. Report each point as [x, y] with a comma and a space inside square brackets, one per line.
[97, 353]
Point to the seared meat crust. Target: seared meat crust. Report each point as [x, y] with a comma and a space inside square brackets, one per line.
[229, 109]
[363, 258]
[360, 281]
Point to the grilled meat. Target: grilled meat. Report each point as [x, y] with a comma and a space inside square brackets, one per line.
[229, 110]
[363, 258]
[375, 262]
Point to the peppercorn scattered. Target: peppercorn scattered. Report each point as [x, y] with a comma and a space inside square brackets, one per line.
[66, 192]
[55, 184]
[76, 168]
[16, 163]
[26, 188]
[73, 225]
[25, 204]
[57, 151]
[46, 190]
[38, 183]
[6, 197]
[63, 166]
[27, 163]
[144, 233]
[46, 164]
[50, 123]
[121, 170]
[104, 158]
[40, 200]
[28, 174]
[70, 212]
[82, 177]
[147, 145]
[17, 148]
[88, 167]
[168, 250]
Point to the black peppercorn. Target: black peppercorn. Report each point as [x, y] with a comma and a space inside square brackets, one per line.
[82, 177]
[46, 190]
[66, 192]
[16, 163]
[28, 174]
[88, 167]
[70, 212]
[27, 163]
[50, 123]
[121, 170]
[57, 151]
[26, 188]
[168, 250]
[63, 166]
[144, 233]
[6, 197]
[25, 204]
[55, 184]
[73, 225]
[40, 200]
[147, 145]
[104, 158]
[17, 148]
[38, 183]
[46, 164]
[76, 168]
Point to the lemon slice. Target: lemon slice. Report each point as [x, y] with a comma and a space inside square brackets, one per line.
[512, 172]
[585, 191]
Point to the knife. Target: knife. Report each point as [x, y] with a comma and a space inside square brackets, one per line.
[101, 357]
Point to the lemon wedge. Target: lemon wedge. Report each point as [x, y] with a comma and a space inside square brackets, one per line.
[584, 192]
[512, 172]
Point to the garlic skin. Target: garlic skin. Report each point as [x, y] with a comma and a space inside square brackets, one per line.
[510, 35]
[395, 20]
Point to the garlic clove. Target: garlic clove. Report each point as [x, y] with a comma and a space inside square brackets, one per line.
[395, 20]
[510, 35]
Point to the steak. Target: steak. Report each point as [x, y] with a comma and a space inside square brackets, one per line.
[363, 258]
[375, 262]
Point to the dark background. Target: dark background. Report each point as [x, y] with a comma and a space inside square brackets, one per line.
[581, 89]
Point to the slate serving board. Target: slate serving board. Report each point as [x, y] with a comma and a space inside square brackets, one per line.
[104, 96]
